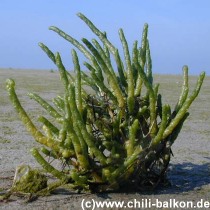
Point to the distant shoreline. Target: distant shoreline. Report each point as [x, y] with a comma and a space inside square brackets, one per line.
[55, 70]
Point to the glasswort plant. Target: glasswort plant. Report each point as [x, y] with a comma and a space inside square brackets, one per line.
[116, 136]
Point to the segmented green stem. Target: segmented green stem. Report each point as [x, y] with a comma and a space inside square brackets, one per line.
[51, 55]
[185, 89]
[51, 111]
[163, 124]
[72, 41]
[142, 51]
[135, 60]
[74, 134]
[148, 64]
[96, 31]
[120, 68]
[130, 160]
[78, 86]
[141, 59]
[48, 52]
[132, 136]
[49, 168]
[10, 85]
[99, 83]
[86, 136]
[104, 57]
[182, 111]
[152, 102]
[53, 129]
[130, 99]
[110, 76]
[63, 72]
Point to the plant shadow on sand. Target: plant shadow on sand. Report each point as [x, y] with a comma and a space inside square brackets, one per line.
[182, 178]
[185, 177]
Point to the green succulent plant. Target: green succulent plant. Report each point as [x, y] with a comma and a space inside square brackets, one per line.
[116, 136]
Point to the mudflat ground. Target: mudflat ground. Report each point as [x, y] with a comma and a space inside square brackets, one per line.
[189, 171]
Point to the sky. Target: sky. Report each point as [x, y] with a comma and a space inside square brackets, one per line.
[179, 30]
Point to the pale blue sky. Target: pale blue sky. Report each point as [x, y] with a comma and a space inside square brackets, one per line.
[179, 30]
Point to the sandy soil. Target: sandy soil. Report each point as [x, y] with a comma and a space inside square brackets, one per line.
[189, 171]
